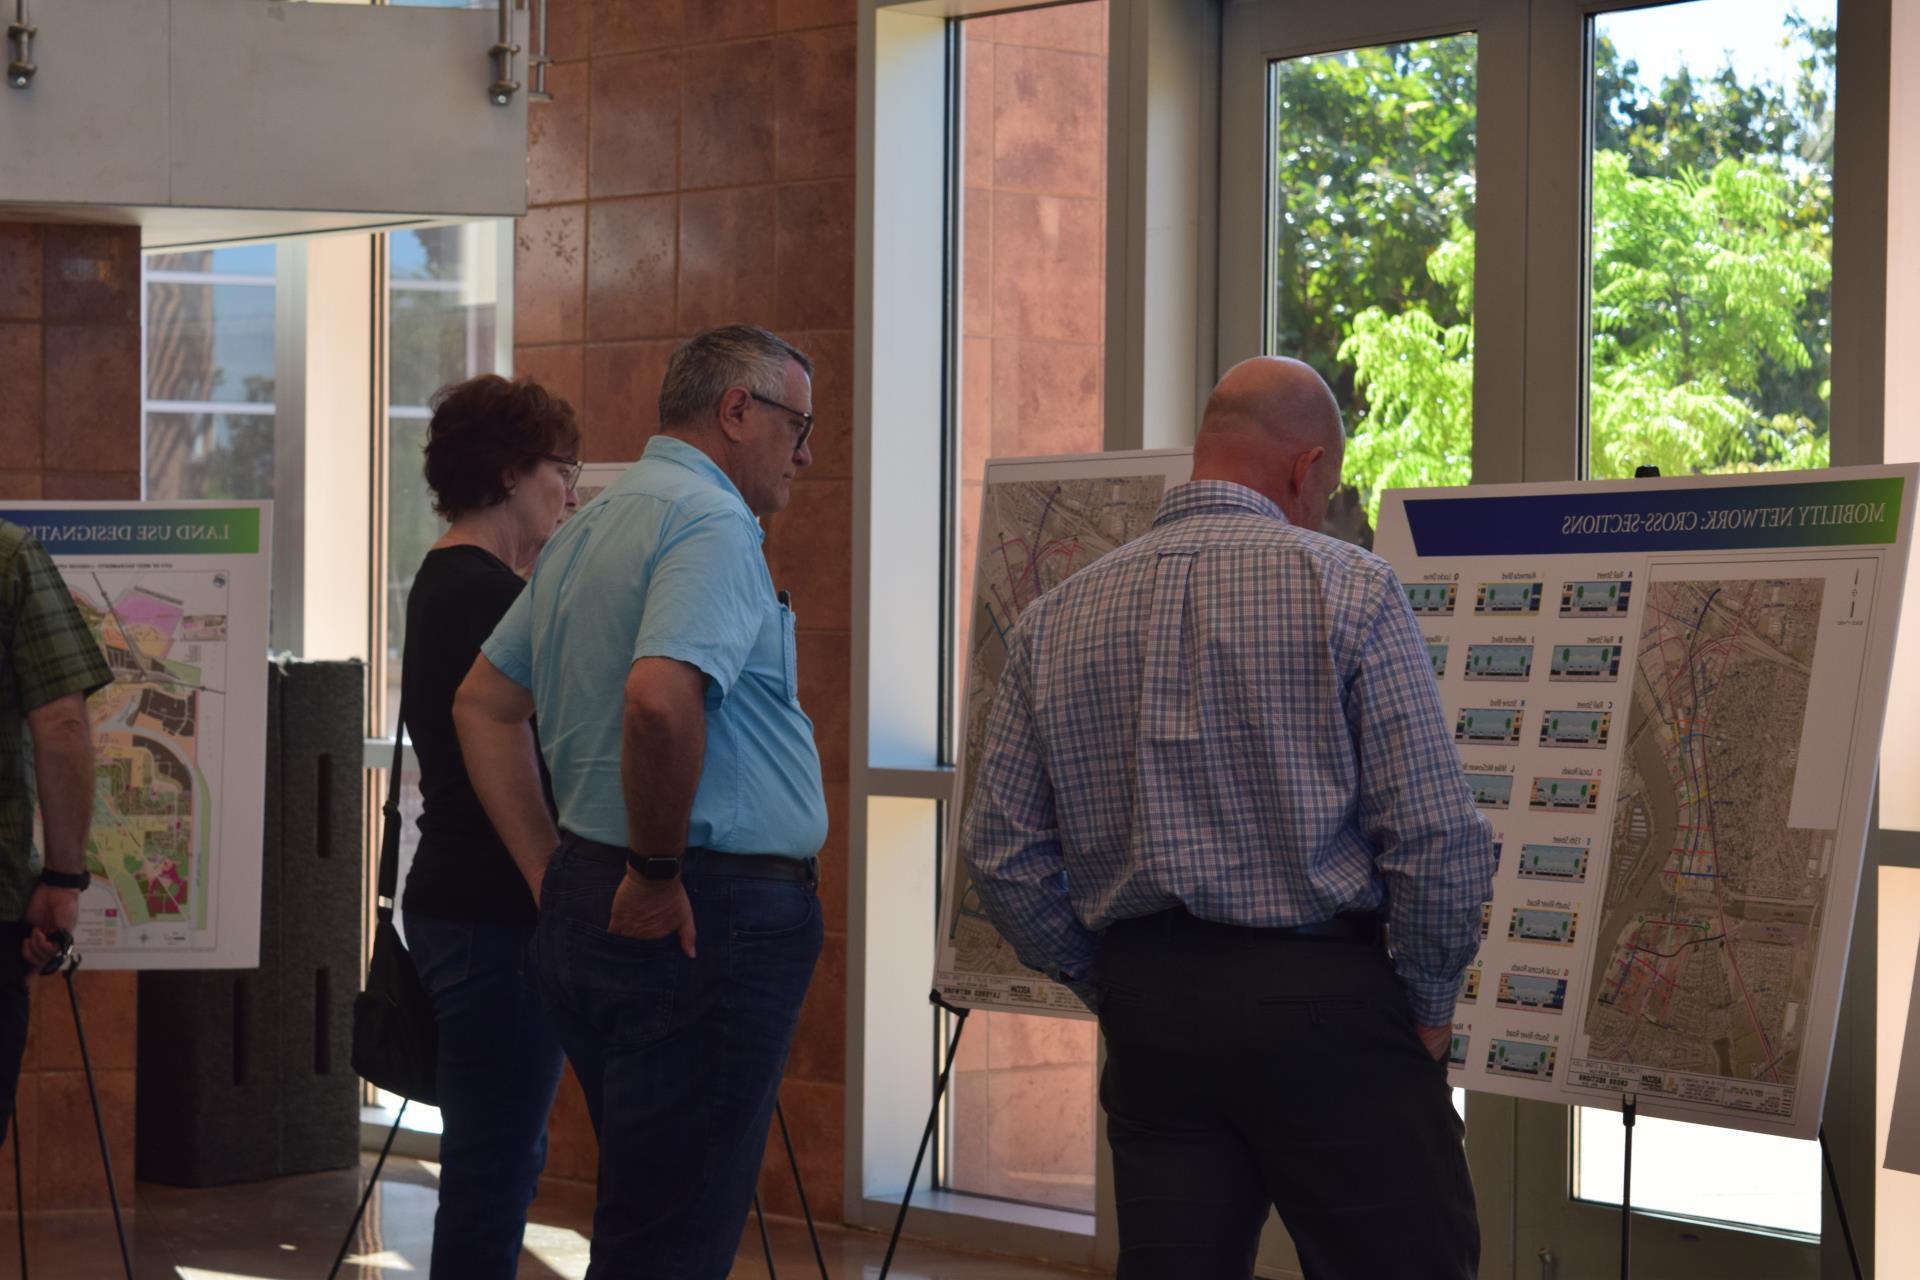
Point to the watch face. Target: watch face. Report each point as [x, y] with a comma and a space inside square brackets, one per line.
[660, 868]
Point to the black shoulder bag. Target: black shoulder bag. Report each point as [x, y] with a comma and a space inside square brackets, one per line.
[396, 1044]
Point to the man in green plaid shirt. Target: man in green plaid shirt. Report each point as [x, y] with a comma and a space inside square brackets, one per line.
[49, 663]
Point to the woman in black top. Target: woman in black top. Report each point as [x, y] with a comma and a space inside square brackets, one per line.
[502, 460]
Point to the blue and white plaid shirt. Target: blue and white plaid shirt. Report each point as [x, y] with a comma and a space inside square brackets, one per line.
[1236, 716]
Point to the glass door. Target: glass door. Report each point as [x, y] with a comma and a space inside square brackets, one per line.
[1551, 240]
[1709, 138]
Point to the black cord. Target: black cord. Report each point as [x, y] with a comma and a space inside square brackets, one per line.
[1839, 1205]
[1628, 1102]
[19, 1192]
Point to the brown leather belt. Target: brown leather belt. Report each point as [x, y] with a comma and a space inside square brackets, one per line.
[712, 862]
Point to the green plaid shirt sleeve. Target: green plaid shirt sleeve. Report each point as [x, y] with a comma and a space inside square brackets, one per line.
[48, 646]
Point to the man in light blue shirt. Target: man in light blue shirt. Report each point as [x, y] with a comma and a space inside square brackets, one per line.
[679, 923]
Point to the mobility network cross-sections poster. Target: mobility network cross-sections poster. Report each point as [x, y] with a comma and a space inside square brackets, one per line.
[176, 596]
[1041, 521]
[1668, 696]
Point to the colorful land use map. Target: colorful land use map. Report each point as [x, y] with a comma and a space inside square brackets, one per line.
[1035, 534]
[1712, 910]
[165, 638]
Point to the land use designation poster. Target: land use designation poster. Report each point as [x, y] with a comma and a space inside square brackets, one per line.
[1668, 696]
[176, 595]
[1042, 520]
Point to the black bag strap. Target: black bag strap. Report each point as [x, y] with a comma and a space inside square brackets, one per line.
[386, 891]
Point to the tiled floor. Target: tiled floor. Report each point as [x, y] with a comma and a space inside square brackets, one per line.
[289, 1229]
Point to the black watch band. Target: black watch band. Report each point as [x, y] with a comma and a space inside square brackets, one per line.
[65, 879]
[654, 867]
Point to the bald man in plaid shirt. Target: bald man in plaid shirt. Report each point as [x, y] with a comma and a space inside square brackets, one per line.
[1216, 770]
[49, 663]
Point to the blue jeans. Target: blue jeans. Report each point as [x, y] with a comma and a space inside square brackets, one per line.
[499, 1067]
[680, 1059]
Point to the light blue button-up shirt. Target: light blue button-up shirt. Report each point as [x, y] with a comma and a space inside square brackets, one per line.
[1236, 716]
[667, 564]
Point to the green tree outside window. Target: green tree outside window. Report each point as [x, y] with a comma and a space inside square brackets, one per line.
[1711, 258]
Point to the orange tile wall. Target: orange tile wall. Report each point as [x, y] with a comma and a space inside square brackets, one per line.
[70, 428]
[1033, 290]
[696, 167]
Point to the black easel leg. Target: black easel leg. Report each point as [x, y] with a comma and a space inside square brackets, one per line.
[926, 1138]
[766, 1241]
[806, 1211]
[1839, 1205]
[347, 1240]
[99, 1125]
[1627, 1107]
[19, 1190]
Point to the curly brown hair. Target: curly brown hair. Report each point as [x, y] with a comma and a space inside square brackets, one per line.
[486, 429]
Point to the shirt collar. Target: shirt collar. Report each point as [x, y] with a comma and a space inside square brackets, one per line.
[673, 450]
[1212, 497]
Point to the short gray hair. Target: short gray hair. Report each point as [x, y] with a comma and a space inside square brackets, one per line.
[735, 355]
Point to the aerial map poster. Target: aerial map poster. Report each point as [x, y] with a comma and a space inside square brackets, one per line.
[1041, 522]
[176, 594]
[1668, 696]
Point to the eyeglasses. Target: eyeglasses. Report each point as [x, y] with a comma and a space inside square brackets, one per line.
[571, 468]
[806, 419]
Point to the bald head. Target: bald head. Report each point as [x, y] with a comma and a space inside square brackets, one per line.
[1272, 425]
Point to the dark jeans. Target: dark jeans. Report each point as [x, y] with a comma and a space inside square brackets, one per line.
[499, 1068]
[680, 1059]
[1246, 1069]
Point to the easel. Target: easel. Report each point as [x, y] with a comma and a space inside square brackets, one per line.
[933, 1119]
[1629, 1106]
[760, 1215]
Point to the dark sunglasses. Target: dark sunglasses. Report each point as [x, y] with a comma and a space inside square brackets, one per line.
[806, 419]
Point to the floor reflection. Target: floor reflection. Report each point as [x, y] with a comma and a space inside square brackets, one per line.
[289, 1229]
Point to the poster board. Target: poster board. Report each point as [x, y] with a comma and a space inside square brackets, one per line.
[1041, 521]
[1668, 696]
[177, 594]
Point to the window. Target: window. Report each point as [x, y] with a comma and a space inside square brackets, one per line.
[1022, 1114]
[1712, 267]
[1622, 257]
[443, 286]
[1712, 236]
[1371, 251]
[1759, 1180]
[209, 407]
[443, 291]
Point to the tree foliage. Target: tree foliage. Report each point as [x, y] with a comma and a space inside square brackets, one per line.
[1711, 258]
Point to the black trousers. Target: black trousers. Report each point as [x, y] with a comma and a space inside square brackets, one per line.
[1246, 1068]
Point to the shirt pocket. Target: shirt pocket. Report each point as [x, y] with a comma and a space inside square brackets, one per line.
[771, 662]
[789, 653]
